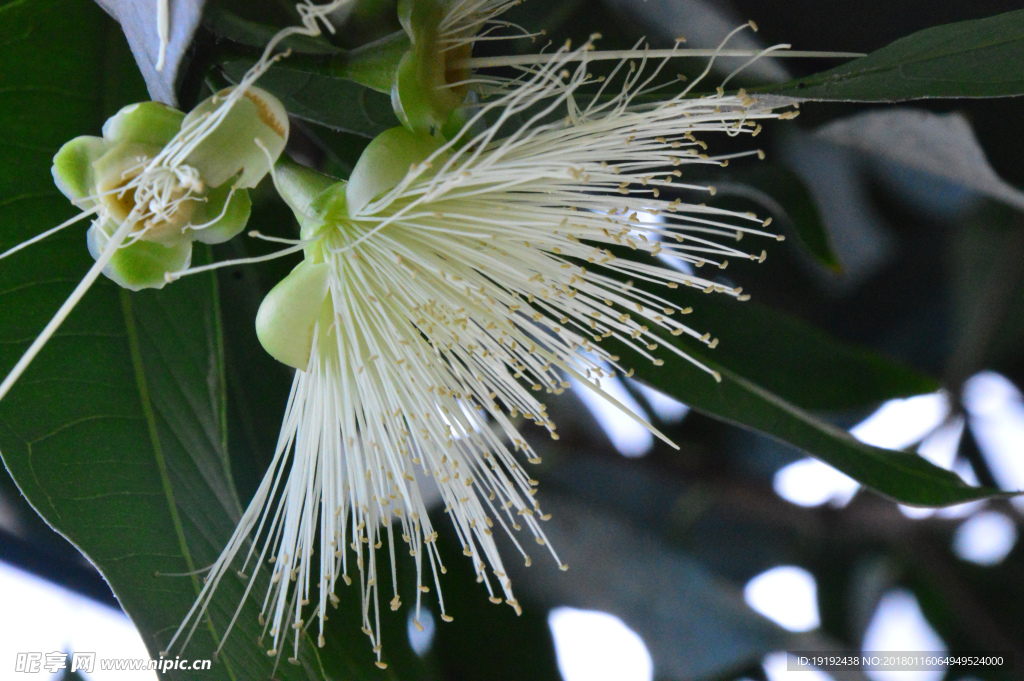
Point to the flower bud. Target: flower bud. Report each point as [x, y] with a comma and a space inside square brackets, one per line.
[287, 317]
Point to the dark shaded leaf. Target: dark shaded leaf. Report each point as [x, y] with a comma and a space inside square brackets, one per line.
[783, 194]
[334, 102]
[905, 477]
[978, 58]
[799, 362]
[224, 23]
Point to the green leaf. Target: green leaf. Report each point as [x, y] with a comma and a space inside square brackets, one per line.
[902, 476]
[978, 58]
[798, 362]
[116, 433]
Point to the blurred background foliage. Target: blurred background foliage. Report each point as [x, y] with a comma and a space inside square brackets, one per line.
[902, 273]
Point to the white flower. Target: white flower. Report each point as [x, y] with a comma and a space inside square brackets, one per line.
[445, 289]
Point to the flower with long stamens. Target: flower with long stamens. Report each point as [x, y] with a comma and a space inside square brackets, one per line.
[157, 181]
[429, 71]
[445, 288]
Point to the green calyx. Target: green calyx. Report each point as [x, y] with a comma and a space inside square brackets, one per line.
[195, 191]
[287, 318]
[317, 200]
[326, 207]
[423, 93]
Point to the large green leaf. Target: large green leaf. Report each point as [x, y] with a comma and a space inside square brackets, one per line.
[797, 361]
[116, 433]
[905, 477]
[980, 58]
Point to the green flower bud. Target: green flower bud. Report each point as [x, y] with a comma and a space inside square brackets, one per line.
[175, 178]
[287, 317]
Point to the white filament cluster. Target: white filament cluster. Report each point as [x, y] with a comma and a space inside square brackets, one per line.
[458, 299]
[470, 21]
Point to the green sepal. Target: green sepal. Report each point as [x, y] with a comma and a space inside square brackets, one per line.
[318, 200]
[231, 148]
[286, 320]
[222, 222]
[374, 65]
[420, 93]
[331, 210]
[300, 186]
[73, 170]
[146, 123]
[410, 95]
[385, 162]
[141, 264]
[458, 120]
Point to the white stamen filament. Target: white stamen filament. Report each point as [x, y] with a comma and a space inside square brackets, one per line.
[174, 276]
[50, 232]
[83, 286]
[781, 50]
[467, 21]
[163, 31]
